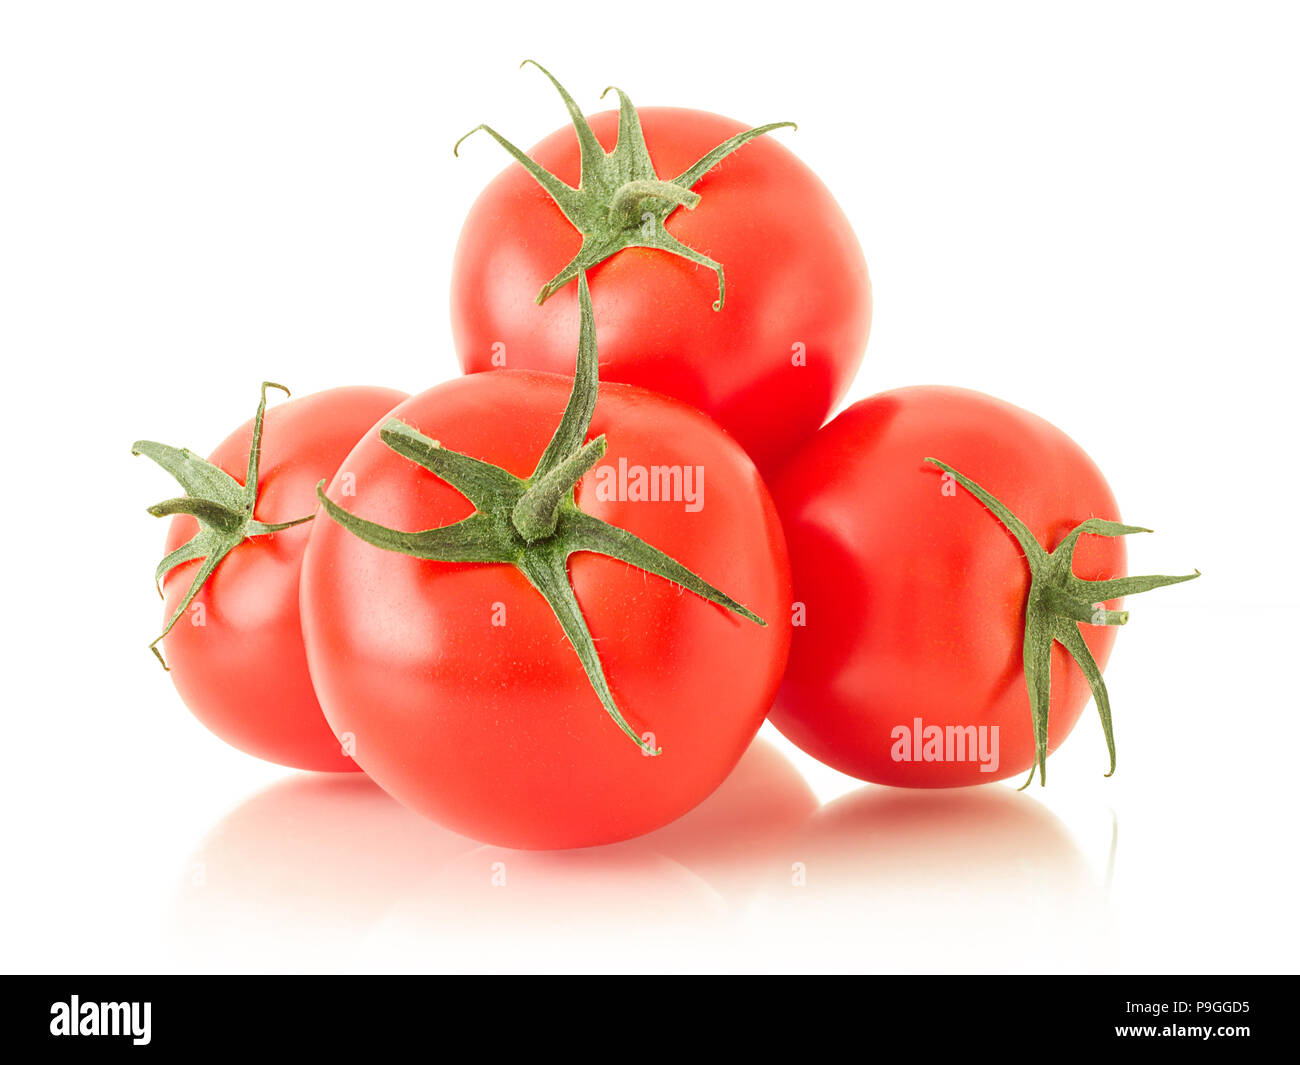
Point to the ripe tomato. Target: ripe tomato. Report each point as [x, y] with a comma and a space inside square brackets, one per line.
[768, 366]
[908, 664]
[236, 655]
[455, 681]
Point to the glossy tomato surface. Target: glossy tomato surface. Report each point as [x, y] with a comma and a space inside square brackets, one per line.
[797, 284]
[455, 681]
[237, 656]
[914, 594]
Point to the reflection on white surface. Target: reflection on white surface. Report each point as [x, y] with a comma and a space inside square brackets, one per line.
[973, 879]
[292, 878]
[323, 872]
[660, 902]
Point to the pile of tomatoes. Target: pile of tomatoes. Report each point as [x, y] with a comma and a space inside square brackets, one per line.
[551, 611]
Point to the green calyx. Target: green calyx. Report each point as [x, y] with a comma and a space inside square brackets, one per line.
[1058, 603]
[620, 201]
[221, 505]
[534, 523]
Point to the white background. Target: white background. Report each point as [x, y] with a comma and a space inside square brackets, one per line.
[1089, 210]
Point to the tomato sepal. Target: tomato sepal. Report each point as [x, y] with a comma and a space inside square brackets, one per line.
[1057, 604]
[621, 202]
[221, 505]
[534, 523]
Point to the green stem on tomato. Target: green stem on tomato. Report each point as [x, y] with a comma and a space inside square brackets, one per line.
[620, 201]
[221, 505]
[1058, 603]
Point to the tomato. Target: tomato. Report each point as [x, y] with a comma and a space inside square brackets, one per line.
[913, 607]
[768, 366]
[457, 682]
[236, 655]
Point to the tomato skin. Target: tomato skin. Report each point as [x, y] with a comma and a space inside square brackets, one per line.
[915, 598]
[795, 276]
[464, 698]
[243, 671]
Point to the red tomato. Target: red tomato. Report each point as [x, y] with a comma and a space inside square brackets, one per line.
[455, 681]
[236, 656]
[768, 367]
[915, 594]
